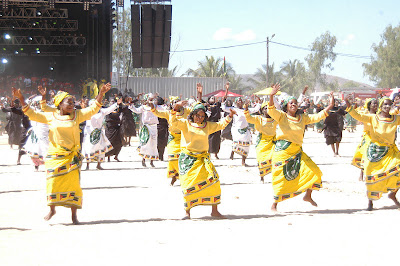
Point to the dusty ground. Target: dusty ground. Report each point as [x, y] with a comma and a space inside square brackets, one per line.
[131, 216]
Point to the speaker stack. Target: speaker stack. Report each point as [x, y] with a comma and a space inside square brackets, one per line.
[151, 35]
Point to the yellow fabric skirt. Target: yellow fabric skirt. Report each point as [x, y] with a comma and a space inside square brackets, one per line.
[381, 169]
[63, 169]
[293, 172]
[264, 149]
[360, 151]
[199, 179]
[173, 150]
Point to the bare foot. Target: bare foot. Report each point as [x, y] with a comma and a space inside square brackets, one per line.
[144, 163]
[173, 181]
[231, 156]
[262, 179]
[392, 196]
[50, 214]
[370, 206]
[99, 167]
[36, 168]
[310, 200]
[217, 215]
[187, 216]
[151, 164]
[273, 207]
[116, 158]
[216, 156]
[75, 220]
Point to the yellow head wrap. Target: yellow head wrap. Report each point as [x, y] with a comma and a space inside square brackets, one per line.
[381, 100]
[265, 103]
[173, 98]
[367, 101]
[61, 95]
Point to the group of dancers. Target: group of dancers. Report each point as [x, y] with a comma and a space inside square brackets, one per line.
[191, 139]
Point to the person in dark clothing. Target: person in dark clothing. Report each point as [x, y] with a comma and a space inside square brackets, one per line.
[13, 126]
[227, 132]
[113, 132]
[26, 125]
[214, 140]
[162, 132]
[128, 125]
[333, 127]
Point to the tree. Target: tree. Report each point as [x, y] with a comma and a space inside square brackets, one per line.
[236, 83]
[122, 43]
[384, 68]
[260, 81]
[294, 76]
[211, 67]
[322, 56]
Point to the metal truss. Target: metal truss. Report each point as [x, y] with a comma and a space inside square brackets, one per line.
[43, 41]
[50, 25]
[32, 12]
[92, 2]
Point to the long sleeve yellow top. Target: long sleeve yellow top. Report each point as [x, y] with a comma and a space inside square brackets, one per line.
[382, 130]
[292, 128]
[195, 136]
[167, 115]
[63, 129]
[266, 126]
[46, 108]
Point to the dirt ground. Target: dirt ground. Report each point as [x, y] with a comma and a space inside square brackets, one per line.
[131, 216]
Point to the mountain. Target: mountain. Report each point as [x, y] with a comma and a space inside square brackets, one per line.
[329, 78]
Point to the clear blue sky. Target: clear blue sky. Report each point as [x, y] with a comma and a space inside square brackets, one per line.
[356, 24]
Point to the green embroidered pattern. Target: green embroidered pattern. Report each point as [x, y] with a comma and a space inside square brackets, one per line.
[33, 137]
[281, 145]
[243, 130]
[291, 168]
[185, 162]
[375, 153]
[144, 135]
[258, 139]
[95, 136]
[170, 138]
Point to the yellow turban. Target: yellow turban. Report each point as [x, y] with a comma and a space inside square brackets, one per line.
[60, 96]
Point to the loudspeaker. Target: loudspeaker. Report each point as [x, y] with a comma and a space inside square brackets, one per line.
[151, 35]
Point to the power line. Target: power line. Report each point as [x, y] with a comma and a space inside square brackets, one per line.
[308, 49]
[278, 43]
[216, 48]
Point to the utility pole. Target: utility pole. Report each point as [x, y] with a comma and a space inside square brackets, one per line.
[267, 69]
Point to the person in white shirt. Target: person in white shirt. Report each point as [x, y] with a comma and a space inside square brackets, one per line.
[241, 134]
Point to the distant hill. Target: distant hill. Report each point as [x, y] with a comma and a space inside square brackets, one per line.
[340, 81]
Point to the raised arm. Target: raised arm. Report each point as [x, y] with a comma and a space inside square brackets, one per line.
[33, 115]
[86, 113]
[221, 124]
[199, 89]
[275, 114]
[356, 115]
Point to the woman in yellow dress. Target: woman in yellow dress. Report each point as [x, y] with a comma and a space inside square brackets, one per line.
[371, 105]
[293, 172]
[174, 137]
[266, 126]
[381, 161]
[63, 161]
[198, 176]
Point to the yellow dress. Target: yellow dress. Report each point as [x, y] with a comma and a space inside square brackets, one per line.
[293, 172]
[63, 160]
[265, 141]
[174, 141]
[198, 177]
[381, 160]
